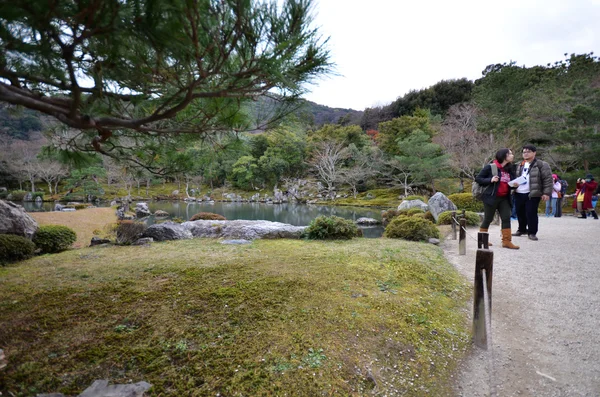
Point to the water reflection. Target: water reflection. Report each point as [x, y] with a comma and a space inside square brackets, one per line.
[294, 214]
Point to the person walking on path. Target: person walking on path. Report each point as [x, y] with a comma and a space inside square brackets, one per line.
[496, 195]
[552, 203]
[537, 186]
[563, 192]
[583, 196]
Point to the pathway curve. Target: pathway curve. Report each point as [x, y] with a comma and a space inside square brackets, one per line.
[546, 313]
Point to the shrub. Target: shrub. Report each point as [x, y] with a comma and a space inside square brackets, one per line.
[35, 195]
[414, 210]
[177, 220]
[465, 201]
[18, 195]
[429, 216]
[387, 216]
[127, 232]
[207, 216]
[332, 228]
[411, 228]
[54, 238]
[445, 218]
[82, 206]
[15, 248]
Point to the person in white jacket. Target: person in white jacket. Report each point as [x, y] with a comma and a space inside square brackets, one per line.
[551, 204]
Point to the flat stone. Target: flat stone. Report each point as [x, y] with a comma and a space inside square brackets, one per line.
[236, 242]
[98, 241]
[367, 221]
[243, 229]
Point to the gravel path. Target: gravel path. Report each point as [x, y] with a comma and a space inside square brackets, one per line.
[546, 313]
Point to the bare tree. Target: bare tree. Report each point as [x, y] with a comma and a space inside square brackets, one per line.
[326, 161]
[398, 175]
[468, 148]
[50, 172]
[363, 167]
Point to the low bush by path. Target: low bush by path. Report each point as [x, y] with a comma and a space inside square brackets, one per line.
[198, 318]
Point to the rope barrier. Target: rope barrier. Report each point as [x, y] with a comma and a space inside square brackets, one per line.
[466, 232]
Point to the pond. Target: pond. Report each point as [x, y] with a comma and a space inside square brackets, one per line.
[294, 214]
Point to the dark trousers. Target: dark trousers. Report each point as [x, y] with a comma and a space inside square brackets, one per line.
[527, 212]
[502, 204]
[558, 212]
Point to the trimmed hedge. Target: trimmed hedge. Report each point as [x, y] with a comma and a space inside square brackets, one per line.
[207, 216]
[18, 195]
[15, 248]
[332, 228]
[466, 201]
[414, 210]
[429, 217]
[445, 218]
[54, 238]
[411, 228]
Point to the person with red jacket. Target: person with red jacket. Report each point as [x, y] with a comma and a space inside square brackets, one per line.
[496, 195]
[583, 196]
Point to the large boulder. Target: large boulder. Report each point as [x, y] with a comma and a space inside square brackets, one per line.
[408, 204]
[439, 203]
[14, 220]
[142, 210]
[167, 231]
[243, 229]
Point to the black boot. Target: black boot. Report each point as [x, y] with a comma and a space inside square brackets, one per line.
[583, 216]
[594, 214]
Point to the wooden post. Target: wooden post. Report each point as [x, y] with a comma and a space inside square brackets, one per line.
[484, 260]
[483, 240]
[462, 237]
[454, 220]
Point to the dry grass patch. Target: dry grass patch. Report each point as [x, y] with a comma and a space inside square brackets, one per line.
[197, 318]
[83, 222]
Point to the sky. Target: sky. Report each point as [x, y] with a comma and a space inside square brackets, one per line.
[382, 49]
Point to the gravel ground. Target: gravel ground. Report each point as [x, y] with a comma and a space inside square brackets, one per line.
[545, 316]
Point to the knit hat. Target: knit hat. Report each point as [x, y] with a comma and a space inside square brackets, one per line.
[554, 176]
[589, 176]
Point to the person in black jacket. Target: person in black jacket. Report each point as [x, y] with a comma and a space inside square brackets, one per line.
[496, 196]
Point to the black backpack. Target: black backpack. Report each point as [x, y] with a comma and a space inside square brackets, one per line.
[477, 189]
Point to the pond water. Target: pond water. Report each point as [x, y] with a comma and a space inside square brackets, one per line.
[294, 214]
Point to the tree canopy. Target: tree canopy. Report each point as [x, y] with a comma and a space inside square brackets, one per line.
[128, 69]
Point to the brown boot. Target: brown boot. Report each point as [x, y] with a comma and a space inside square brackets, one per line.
[482, 230]
[506, 240]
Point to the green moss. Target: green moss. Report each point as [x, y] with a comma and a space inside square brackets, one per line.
[371, 198]
[261, 319]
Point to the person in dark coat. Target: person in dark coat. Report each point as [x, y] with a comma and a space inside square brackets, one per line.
[496, 196]
[537, 187]
[583, 196]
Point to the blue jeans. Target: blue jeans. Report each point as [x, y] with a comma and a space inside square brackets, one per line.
[551, 205]
[527, 213]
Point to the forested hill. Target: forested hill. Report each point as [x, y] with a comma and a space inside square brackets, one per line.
[319, 115]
